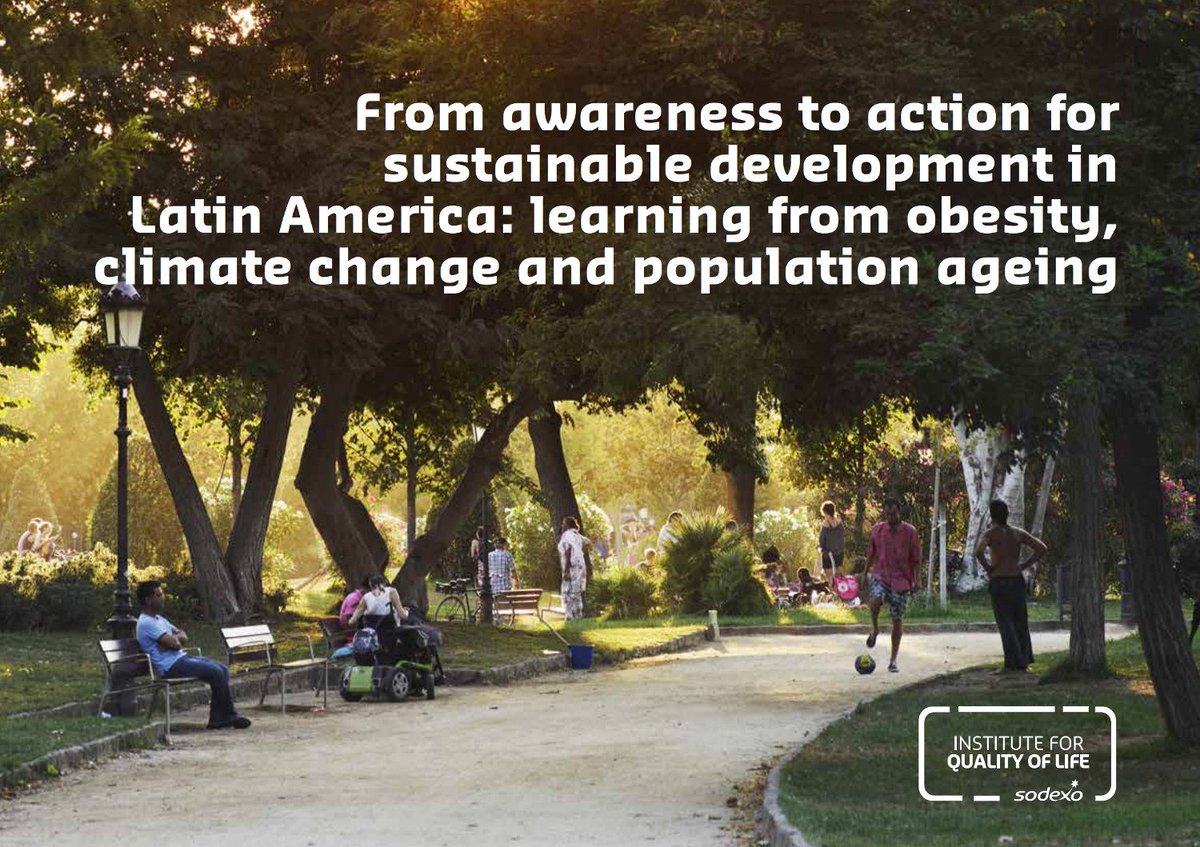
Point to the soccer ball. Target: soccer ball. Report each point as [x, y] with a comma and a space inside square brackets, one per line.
[864, 664]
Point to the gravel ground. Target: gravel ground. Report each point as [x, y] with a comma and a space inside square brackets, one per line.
[650, 752]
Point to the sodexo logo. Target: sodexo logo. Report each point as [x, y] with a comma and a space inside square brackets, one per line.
[1020, 750]
[1050, 795]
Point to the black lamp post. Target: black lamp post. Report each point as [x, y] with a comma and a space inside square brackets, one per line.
[121, 308]
[485, 587]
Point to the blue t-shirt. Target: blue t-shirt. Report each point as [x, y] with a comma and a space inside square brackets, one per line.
[150, 628]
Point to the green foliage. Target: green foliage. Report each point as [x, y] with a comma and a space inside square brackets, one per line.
[535, 542]
[732, 588]
[287, 531]
[793, 532]
[623, 593]
[70, 443]
[27, 499]
[688, 563]
[56, 595]
[456, 561]
[155, 536]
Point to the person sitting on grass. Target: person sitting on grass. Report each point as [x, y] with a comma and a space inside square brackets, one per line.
[647, 564]
[163, 642]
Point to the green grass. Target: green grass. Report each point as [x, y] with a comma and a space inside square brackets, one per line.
[41, 670]
[23, 740]
[856, 783]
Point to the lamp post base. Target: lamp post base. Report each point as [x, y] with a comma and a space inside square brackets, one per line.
[122, 626]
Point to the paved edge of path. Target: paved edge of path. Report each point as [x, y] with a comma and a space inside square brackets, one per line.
[58, 762]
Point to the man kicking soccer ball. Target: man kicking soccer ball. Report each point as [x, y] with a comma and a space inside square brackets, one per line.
[896, 550]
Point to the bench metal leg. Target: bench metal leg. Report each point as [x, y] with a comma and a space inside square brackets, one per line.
[167, 690]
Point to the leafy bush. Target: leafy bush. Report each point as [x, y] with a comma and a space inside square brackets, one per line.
[535, 543]
[732, 587]
[155, 536]
[623, 593]
[53, 595]
[27, 499]
[688, 564]
[793, 532]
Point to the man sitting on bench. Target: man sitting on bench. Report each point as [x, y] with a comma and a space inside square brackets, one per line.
[163, 643]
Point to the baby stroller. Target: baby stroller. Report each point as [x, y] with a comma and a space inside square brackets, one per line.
[392, 660]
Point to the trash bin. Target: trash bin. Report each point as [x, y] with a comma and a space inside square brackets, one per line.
[1062, 590]
[1128, 605]
[581, 656]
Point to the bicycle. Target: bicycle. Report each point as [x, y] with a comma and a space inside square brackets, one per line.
[456, 605]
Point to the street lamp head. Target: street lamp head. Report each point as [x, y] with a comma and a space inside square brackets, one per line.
[122, 307]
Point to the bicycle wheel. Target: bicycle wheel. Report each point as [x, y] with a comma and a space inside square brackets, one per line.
[451, 610]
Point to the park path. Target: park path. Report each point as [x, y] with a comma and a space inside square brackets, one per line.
[646, 753]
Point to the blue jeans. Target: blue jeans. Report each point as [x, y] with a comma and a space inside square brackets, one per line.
[220, 707]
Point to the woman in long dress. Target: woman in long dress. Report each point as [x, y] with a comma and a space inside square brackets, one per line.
[571, 546]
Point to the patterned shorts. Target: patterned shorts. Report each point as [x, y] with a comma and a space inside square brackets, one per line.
[897, 601]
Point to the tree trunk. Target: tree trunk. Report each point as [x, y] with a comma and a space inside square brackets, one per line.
[481, 468]
[218, 596]
[244, 555]
[988, 475]
[237, 449]
[1043, 502]
[739, 495]
[1143, 525]
[317, 480]
[411, 469]
[554, 477]
[1087, 650]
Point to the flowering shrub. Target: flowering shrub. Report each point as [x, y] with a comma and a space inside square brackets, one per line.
[1178, 503]
[75, 594]
[534, 542]
[792, 532]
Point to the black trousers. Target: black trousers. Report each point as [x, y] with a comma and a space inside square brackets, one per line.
[1012, 619]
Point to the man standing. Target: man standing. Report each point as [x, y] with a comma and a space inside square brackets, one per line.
[896, 550]
[163, 643]
[999, 551]
[501, 567]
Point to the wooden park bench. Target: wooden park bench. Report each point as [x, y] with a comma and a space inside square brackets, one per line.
[508, 606]
[254, 649]
[124, 662]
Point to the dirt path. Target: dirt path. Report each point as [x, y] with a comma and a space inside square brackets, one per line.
[647, 753]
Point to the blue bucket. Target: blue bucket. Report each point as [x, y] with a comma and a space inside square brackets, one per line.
[581, 656]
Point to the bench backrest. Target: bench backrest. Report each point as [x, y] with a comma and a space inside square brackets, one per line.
[335, 634]
[520, 598]
[249, 644]
[124, 656]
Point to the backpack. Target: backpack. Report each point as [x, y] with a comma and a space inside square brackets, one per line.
[366, 643]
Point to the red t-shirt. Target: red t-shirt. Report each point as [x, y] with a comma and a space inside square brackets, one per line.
[897, 554]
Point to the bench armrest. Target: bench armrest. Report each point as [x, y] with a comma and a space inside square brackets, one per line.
[306, 639]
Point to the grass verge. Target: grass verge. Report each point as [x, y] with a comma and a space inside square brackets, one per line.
[23, 741]
[856, 783]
